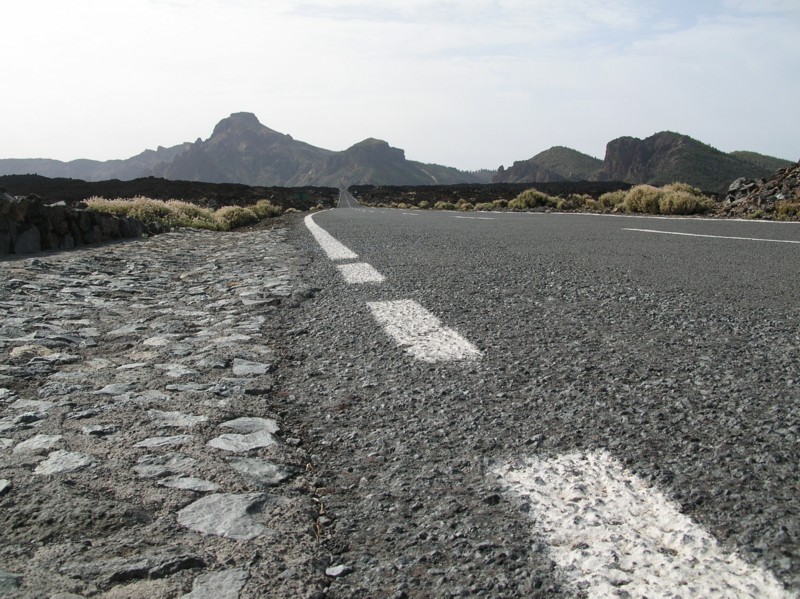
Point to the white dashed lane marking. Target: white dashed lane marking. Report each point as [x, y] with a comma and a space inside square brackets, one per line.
[712, 236]
[420, 333]
[611, 532]
[414, 329]
[334, 249]
[360, 272]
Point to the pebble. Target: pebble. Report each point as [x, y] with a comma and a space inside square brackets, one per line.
[337, 571]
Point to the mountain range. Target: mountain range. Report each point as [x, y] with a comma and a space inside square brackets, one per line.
[242, 150]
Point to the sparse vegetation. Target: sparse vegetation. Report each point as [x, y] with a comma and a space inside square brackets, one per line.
[533, 198]
[484, 206]
[787, 210]
[445, 206]
[177, 213]
[424, 205]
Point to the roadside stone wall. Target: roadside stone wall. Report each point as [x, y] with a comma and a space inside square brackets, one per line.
[27, 226]
[147, 445]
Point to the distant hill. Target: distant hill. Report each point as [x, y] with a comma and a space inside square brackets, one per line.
[242, 150]
[662, 158]
[553, 165]
[373, 161]
[667, 157]
[769, 163]
[140, 165]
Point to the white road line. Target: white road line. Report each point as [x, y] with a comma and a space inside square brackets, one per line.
[360, 272]
[410, 214]
[334, 249]
[712, 236]
[420, 333]
[610, 532]
[476, 217]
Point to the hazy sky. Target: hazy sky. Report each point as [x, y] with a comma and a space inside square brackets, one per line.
[472, 84]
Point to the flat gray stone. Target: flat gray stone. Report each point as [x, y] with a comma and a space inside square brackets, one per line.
[247, 368]
[166, 464]
[8, 582]
[160, 340]
[32, 404]
[64, 461]
[116, 389]
[38, 444]
[129, 329]
[337, 571]
[118, 569]
[164, 441]
[252, 425]
[5, 486]
[218, 585]
[100, 430]
[188, 483]
[5, 443]
[261, 472]
[241, 443]
[176, 419]
[226, 515]
[176, 373]
[66, 596]
[182, 388]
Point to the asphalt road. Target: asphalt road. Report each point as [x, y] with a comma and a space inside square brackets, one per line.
[670, 364]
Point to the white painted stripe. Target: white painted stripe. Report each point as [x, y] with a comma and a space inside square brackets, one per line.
[420, 333]
[476, 217]
[410, 214]
[610, 532]
[360, 272]
[712, 236]
[334, 249]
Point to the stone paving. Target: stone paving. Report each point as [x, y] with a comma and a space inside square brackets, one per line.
[143, 445]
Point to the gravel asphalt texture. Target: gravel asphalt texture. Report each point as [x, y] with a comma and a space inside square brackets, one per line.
[680, 356]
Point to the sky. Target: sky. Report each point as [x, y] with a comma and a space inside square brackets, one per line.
[471, 84]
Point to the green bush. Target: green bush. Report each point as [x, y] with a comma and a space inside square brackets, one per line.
[484, 206]
[787, 210]
[533, 198]
[403, 206]
[465, 206]
[682, 202]
[424, 205]
[266, 209]
[500, 204]
[232, 217]
[643, 199]
[444, 206]
[611, 199]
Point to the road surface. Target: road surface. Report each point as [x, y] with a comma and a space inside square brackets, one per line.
[521, 404]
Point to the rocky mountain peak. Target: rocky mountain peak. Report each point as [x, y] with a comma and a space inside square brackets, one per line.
[239, 121]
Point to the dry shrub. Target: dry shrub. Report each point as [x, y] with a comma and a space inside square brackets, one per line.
[611, 199]
[232, 217]
[266, 209]
[444, 206]
[484, 206]
[424, 205]
[643, 199]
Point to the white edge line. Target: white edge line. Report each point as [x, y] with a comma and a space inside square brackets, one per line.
[712, 236]
[332, 247]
